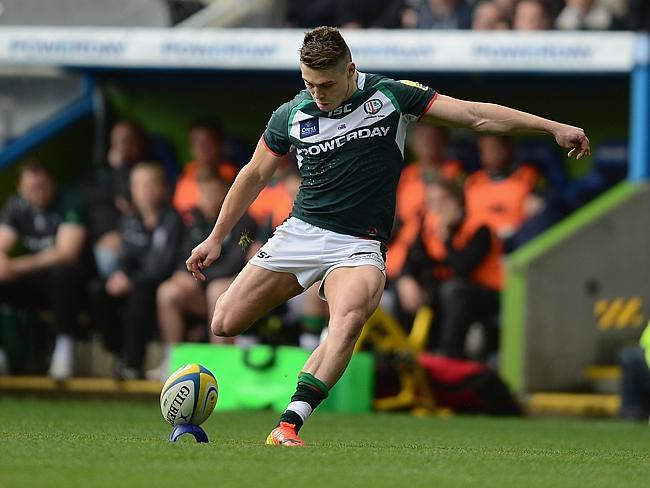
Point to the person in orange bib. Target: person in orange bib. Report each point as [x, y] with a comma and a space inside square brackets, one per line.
[500, 194]
[454, 265]
[429, 143]
[206, 147]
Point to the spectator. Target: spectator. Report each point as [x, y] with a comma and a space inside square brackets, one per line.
[508, 8]
[488, 15]
[52, 273]
[206, 148]
[635, 384]
[639, 15]
[500, 194]
[319, 12]
[429, 143]
[585, 15]
[125, 305]
[453, 266]
[107, 192]
[437, 14]
[532, 15]
[363, 14]
[181, 296]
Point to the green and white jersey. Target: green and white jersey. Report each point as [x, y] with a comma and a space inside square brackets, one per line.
[351, 158]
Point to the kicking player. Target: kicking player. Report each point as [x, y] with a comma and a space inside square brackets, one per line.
[348, 131]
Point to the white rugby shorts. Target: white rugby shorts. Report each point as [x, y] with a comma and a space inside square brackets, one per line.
[312, 253]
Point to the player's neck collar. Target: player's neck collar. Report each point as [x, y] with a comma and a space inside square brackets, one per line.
[361, 79]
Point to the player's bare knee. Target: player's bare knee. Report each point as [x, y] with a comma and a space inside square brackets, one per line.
[223, 323]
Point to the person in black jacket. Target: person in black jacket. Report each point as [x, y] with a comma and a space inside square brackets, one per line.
[52, 272]
[181, 297]
[151, 236]
[107, 195]
[453, 266]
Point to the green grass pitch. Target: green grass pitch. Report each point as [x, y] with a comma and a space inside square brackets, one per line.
[113, 444]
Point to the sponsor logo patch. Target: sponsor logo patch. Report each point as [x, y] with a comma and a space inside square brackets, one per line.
[309, 128]
[373, 106]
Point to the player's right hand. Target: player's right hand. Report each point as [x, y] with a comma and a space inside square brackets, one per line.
[574, 139]
[203, 256]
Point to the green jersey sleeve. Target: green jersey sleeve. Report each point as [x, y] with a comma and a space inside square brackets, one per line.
[276, 135]
[413, 98]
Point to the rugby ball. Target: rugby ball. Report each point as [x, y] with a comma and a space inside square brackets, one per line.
[189, 395]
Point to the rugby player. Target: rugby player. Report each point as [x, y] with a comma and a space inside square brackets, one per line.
[348, 129]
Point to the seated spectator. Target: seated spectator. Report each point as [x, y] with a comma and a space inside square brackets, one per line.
[437, 14]
[639, 15]
[585, 15]
[319, 12]
[532, 15]
[454, 266]
[181, 297]
[52, 273]
[365, 14]
[635, 384]
[125, 303]
[206, 148]
[489, 15]
[500, 194]
[429, 144]
[107, 195]
[508, 8]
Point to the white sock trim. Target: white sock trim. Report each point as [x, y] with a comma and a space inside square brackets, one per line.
[303, 409]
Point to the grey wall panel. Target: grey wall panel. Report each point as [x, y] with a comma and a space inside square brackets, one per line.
[608, 259]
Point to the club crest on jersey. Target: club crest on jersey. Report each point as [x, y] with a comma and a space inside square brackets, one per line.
[373, 106]
[309, 127]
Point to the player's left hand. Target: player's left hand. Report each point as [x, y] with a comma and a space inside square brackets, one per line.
[574, 139]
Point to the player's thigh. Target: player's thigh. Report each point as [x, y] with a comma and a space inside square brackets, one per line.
[353, 294]
[254, 292]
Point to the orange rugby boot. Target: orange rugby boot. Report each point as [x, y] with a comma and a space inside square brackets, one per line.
[284, 435]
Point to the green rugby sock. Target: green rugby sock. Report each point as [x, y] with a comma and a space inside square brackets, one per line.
[310, 392]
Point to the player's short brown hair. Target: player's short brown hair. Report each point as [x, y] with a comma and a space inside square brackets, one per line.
[324, 48]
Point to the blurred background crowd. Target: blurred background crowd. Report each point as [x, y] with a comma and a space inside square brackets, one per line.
[111, 249]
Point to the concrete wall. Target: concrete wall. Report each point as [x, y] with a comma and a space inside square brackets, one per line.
[587, 297]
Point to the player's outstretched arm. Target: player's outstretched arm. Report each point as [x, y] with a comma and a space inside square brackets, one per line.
[489, 117]
[249, 183]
